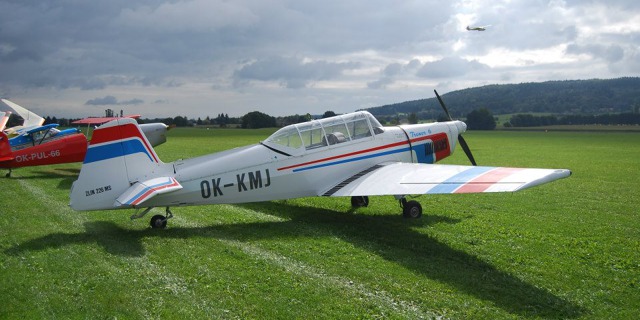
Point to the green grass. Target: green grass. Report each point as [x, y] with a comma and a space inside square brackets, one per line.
[568, 249]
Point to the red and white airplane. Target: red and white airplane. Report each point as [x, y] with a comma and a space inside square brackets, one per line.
[349, 155]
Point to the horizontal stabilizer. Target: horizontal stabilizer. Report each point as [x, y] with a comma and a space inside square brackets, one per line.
[412, 178]
[140, 192]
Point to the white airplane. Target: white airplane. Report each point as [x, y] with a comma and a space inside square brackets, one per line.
[483, 28]
[31, 120]
[349, 155]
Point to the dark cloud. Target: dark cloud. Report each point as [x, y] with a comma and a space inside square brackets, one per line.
[292, 72]
[106, 101]
[393, 71]
[111, 100]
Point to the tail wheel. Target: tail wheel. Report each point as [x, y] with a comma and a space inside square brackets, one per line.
[411, 209]
[158, 222]
[360, 201]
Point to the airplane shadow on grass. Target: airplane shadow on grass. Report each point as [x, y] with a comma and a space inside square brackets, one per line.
[389, 237]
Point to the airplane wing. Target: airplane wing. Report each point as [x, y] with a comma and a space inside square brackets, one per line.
[415, 178]
[30, 119]
[140, 192]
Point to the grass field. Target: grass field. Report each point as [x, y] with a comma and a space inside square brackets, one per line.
[569, 249]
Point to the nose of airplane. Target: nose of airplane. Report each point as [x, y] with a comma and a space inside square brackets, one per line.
[462, 127]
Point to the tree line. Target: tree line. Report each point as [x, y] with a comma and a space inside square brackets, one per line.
[594, 96]
[529, 120]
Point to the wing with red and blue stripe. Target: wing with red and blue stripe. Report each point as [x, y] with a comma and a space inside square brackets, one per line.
[140, 192]
[415, 178]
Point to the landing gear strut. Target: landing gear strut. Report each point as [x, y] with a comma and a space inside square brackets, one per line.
[158, 221]
[410, 209]
[359, 201]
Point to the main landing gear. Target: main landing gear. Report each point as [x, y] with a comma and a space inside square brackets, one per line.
[158, 221]
[410, 209]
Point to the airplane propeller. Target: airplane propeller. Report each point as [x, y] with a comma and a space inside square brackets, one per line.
[461, 140]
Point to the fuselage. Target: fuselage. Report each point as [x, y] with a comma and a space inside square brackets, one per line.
[64, 148]
[298, 162]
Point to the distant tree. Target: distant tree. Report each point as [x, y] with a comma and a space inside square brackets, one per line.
[481, 119]
[328, 114]
[413, 118]
[180, 121]
[257, 119]
[199, 121]
[442, 117]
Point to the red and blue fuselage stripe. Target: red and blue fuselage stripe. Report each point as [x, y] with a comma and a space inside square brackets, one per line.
[360, 155]
[339, 159]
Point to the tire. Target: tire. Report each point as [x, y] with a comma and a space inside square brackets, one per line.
[412, 210]
[158, 222]
[359, 201]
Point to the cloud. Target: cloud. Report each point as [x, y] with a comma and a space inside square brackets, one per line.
[291, 72]
[108, 100]
[611, 53]
[393, 71]
[111, 100]
[244, 53]
[450, 67]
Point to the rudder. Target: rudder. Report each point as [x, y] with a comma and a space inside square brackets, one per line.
[118, 156]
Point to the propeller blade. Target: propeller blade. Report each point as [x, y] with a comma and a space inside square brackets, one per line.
[443, 106]
[461, 141]
[466, 149]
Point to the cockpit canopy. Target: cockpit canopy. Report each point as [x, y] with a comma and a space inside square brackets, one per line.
[299, 138]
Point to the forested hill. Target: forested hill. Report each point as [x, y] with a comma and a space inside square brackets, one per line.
[559, 97]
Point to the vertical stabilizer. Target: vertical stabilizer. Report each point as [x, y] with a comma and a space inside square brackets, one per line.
[118, 156]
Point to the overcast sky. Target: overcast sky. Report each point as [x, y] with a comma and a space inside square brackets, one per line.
[198, 58]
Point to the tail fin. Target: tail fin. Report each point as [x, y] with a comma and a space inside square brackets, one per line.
[118, 156]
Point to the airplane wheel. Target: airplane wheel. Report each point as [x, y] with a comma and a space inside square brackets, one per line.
[158, 222]
[412, 209]
[360, 201]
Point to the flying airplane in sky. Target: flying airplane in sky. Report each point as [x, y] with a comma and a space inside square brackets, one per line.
[44, 145]
[483, 28]
[30, 119]
[350, 155]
